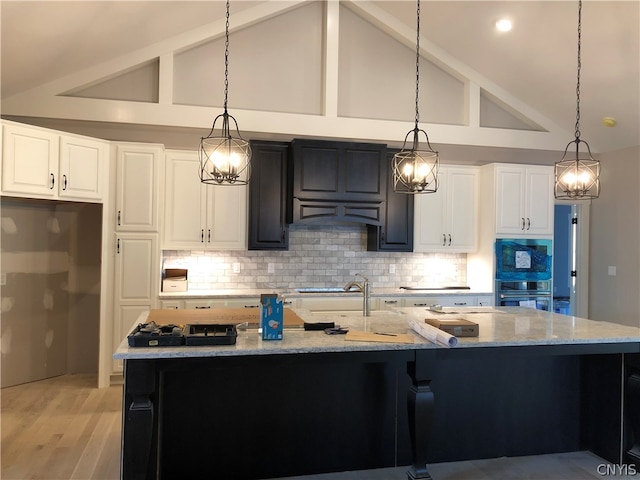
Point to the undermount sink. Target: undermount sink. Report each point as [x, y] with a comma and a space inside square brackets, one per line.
[325, 290]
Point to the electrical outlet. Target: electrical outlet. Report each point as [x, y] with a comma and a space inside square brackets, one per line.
[271, 268]
[611, 271]
[392, 268]
[236, 267]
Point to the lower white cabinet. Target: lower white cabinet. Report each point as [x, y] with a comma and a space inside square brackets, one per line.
[385, 303]
[136, 281]
[443, 300]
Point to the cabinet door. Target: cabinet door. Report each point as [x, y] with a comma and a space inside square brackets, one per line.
[137, 278]
[268, 196]
[539, 203]
[339, 171]
[185, 203]
[136, 282]
[462, 209]
[396, 233]
[138, 182]
[83, 165]
[447, 220]
[29, 161]
[510, 193]
[226, 226]
[429, 219]
[442, 300]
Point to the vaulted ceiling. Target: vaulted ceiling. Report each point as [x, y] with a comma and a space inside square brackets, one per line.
[532, 68]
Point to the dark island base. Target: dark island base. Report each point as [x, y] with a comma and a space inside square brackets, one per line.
[283, 415]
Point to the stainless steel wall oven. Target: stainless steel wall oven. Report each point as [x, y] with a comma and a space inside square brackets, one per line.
[523, 273]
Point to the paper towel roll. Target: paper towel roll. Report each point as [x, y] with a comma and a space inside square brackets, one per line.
[433, 334]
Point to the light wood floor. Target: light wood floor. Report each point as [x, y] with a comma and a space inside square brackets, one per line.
[64, 428]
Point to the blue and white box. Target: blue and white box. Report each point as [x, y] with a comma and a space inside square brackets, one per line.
[271, 316]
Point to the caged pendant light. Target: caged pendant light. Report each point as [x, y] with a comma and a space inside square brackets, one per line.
[577, 176]
[225, 159]
[415, 169]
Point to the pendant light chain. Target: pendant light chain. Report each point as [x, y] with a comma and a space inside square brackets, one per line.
[418, 65]
[577, 133]
[226, 59]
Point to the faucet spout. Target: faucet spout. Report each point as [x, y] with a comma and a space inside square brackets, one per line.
[366, 295]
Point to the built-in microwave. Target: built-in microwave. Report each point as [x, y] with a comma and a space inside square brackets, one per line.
[523, 259]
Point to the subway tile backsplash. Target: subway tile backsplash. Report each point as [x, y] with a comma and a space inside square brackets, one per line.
[318, 256]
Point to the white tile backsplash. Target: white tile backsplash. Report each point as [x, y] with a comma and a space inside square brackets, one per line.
[318, 256]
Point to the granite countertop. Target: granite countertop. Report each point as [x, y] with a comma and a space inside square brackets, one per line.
[498, 327]
[292, 293]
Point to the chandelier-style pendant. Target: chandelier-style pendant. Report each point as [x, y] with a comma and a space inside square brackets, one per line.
[415, 170]
[577, 178]
[224, 159]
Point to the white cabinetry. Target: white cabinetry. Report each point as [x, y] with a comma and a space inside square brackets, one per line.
[442, 300]
[43, 163]
[524, 200]
[136, 281]
[486, 300]
[447, 220]
[385, 303]
[200, 216]
[138, 170]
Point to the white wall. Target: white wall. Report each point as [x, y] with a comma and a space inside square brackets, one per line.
[615, 240]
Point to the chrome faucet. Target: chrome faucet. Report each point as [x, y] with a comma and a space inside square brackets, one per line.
[363, 287]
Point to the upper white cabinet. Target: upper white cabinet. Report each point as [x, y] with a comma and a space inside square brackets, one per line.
[524, 200]
[447, 221]
[83, 168]
[200, 216]
[138, 170]
[43, 163]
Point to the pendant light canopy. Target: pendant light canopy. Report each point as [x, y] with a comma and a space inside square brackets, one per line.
[225, 159]
[577, 175]
[415, 169]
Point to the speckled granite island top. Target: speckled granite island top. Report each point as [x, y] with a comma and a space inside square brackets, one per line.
[498, 327]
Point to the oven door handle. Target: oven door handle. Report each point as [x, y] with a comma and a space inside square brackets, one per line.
[519, 295]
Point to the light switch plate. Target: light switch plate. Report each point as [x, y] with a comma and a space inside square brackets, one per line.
[611, 271]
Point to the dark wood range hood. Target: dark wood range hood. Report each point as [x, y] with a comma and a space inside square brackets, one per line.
[338, 181]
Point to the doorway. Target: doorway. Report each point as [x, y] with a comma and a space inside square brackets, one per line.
[571, 259]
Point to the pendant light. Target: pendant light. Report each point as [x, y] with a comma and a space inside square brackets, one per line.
[577, 176]
[225, 159]
[415, 169]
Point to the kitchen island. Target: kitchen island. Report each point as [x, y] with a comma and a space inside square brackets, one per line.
[532, 382]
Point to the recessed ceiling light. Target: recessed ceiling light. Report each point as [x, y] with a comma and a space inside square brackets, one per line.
[609, 122]
[504, 25]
